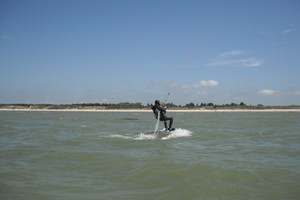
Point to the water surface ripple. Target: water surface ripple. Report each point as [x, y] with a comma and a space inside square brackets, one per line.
[90, 155]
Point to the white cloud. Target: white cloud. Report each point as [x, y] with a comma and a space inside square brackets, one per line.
[203, 83]
[287, 30]
[246, 62]
[251, 62]
[294, 93]
[236, 58]
[210, 83]
[231, 53]
[268, 92]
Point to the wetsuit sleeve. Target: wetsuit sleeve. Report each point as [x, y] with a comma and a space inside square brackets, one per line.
[154, 111]
[161, 109]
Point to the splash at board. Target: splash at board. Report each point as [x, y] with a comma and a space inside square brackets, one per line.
[159, 110]
[177, 133]
[160, 135]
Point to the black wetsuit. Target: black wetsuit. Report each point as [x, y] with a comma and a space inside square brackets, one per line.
[162, 116]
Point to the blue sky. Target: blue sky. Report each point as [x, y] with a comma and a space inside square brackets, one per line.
[75, 51]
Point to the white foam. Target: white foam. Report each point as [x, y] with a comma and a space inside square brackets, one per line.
[143, 136]
[118, 136]
[177, 133]
[140, 136]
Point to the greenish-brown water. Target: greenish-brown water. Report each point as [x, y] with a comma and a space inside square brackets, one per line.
[94, 155]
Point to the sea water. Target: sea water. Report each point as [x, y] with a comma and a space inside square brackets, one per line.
[96, 155]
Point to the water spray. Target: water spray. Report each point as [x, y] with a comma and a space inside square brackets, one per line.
[157, 123]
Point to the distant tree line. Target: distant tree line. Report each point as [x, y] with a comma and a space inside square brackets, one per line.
[138, 105]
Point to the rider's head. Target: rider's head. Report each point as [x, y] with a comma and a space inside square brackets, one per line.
[157, 102]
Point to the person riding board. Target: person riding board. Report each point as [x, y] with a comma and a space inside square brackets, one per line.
[160, 108]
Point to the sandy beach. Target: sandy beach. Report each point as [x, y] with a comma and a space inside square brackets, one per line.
[142, 110]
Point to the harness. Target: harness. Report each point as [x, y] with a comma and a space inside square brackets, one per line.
[156, 111]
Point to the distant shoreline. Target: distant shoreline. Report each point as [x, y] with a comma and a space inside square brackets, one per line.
[144, 110]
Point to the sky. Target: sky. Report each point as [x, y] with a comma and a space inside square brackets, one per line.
[111, 51]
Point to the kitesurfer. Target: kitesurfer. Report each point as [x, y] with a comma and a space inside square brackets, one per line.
[160, 108]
